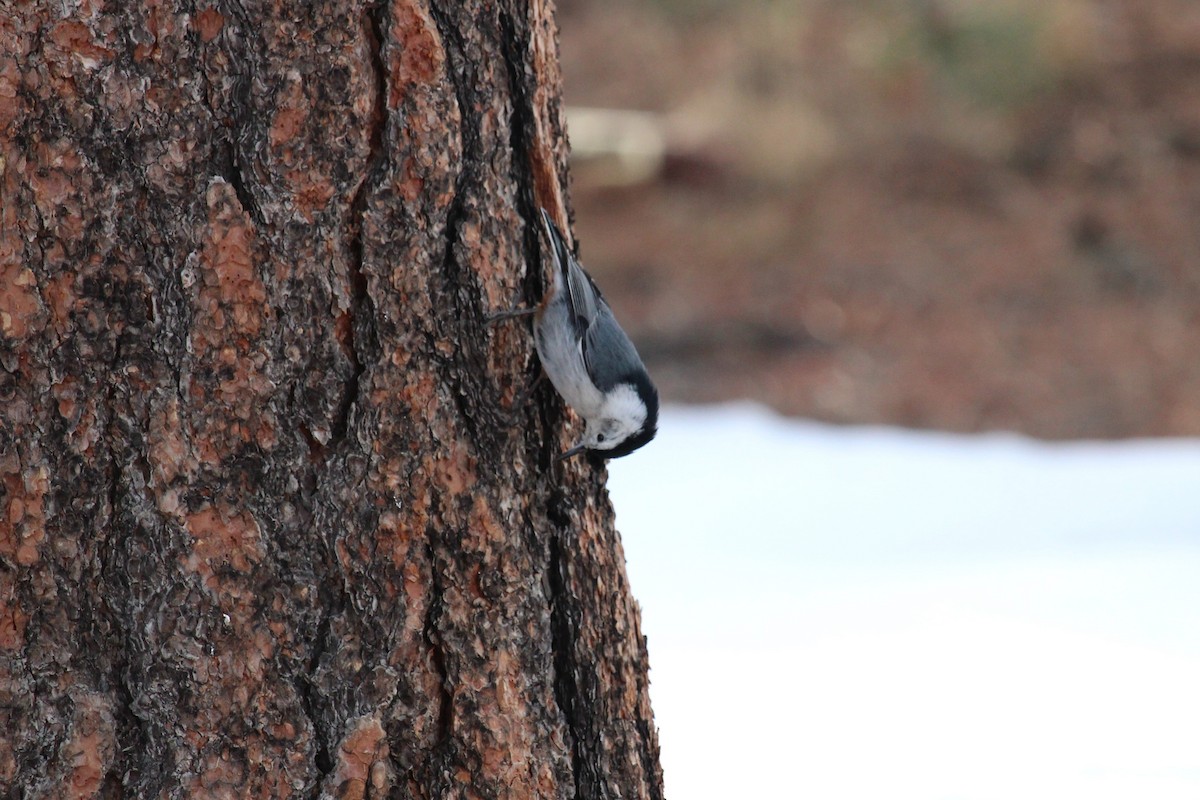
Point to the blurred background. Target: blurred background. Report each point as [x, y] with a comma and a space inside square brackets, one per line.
[889, 261]
[954, 214]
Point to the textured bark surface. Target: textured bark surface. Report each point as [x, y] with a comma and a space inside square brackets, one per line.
[270, 525]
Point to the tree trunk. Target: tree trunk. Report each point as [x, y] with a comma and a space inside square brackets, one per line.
[272, 522]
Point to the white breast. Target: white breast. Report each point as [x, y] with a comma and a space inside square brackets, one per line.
[563, 360]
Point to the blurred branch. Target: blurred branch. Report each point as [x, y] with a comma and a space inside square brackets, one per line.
[741, 337]
[611, 147]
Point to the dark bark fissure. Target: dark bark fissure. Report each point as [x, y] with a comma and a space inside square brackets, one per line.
[520, 125]
[236, 165]
[36, 242]
[305, 688]
[332, 601]
[468, 365]
[362, 334]
[229, 131]
[436, 650]
[132, 728]
[564, 632]
[360, 342]
[520, 128]
[231, 170]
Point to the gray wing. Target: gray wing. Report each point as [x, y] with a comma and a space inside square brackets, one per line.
[584, 296]
[609, 355]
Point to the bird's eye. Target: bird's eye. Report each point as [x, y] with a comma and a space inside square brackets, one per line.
[599, 438]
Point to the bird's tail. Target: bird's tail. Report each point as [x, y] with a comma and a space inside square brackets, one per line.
[562, 256]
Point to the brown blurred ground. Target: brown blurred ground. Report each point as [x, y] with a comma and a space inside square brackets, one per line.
[964, 215]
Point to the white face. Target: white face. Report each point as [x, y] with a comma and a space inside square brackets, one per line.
[622, 416]
[605, 434]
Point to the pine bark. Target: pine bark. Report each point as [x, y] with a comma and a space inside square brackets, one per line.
[272, 521]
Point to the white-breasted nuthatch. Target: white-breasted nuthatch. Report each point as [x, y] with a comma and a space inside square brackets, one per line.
[591, 361]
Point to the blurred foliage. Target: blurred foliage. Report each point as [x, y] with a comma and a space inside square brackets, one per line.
[967, 214]
[994, 52]
[989, 53]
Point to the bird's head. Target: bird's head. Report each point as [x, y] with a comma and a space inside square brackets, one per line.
[628, 420]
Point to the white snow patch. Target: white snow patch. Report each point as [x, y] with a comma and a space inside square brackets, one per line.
[852, 613]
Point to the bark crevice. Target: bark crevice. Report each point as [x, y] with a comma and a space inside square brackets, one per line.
[305, 685]
[521, 132]
[114, 535]
[242, 114]
[232, 172]
[361, 331]
[564, 631]
[469, 372]
[437, 652]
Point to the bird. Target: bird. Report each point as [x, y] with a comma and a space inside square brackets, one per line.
[590, 360]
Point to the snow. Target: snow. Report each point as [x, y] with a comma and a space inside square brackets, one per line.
[852, 613]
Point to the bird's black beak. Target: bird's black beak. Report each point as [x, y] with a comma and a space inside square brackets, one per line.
[574, 451]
